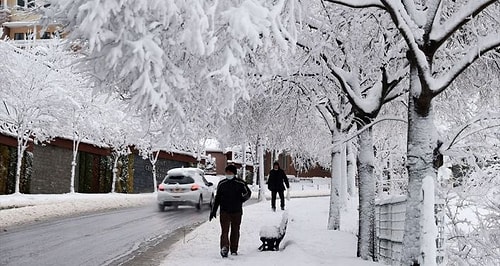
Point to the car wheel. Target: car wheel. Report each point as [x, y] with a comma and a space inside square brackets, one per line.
[200, 203]
[161, 207]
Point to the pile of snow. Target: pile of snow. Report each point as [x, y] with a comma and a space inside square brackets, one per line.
[26, 208]
[274, 231]
[307, 242]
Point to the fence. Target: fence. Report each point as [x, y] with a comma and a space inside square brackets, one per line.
[389, 229]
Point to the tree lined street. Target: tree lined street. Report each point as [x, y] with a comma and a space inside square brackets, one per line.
[383, 94]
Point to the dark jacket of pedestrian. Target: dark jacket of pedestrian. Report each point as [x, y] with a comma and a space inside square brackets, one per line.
[231, 193]
[277, 180]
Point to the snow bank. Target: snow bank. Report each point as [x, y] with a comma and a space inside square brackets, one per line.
[307, 242]
[26, 208]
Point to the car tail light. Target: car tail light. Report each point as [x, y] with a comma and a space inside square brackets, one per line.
[161, 187]
[195, 187]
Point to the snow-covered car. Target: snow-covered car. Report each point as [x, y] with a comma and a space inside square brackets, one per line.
[185, 186]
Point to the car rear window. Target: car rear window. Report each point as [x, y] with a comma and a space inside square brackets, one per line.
[178, 179]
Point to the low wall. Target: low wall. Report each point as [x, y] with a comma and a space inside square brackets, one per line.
[389, 229]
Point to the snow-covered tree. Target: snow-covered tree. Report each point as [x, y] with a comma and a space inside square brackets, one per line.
[119, 130]
[362, 84]
[441, 46]
[31, 96]
[162, 54]
[84, 121]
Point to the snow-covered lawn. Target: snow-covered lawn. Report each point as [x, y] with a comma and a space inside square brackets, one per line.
[307, 242]
[26, 208]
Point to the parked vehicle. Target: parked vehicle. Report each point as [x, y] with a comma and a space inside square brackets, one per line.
[185, 186]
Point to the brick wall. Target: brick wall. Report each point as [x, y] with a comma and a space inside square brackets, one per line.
[51, 170]
[143, 175]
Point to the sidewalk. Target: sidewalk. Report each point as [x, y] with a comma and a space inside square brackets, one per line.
[22, 209]
[307, 242]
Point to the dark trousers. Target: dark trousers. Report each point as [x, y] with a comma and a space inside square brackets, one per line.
[230, 221]
[273, 198]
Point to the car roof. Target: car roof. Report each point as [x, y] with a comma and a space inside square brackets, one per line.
[185, 171]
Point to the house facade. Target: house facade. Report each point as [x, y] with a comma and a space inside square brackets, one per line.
[47, 168]
[20, 22]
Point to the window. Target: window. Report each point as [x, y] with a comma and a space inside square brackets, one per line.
[19, 36]
[26, 3]
[181, 180]
[46, 35]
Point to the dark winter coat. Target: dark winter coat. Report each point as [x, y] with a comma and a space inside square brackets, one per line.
[230, 195]
[277, 180]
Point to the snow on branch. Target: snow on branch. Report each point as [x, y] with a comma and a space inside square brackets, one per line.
[484, 45]
[180, 50]
[391, 93]
[441, 32]
[413, 12]
[411, 35]
[350, 85]
[378, 94]
[353, 135]
[459, 135]
[358, 3]
[432, 15]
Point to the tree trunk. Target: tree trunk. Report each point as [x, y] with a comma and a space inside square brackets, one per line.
[262, 183]
[366, 233]
[155, 183]
[21, 147]
[115, 171]
[343, 176]
[351, 170]
[334, 213]
[244, 162]
[421, 142]
[255, 163]
[153, 158]
[76, 143]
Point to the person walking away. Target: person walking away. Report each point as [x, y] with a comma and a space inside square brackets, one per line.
[276, 184]
[231, 193]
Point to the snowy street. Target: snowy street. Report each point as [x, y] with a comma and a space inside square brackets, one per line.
[106, 238]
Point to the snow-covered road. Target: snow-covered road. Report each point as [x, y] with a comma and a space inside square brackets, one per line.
[107, 238]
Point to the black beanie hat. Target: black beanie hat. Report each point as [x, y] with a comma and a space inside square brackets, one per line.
[231, 168]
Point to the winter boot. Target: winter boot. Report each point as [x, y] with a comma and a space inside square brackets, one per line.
[224, 251]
